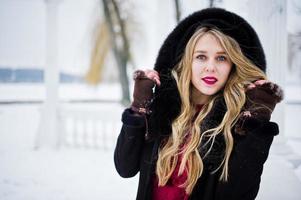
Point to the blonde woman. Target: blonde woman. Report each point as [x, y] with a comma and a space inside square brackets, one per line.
[205, 132]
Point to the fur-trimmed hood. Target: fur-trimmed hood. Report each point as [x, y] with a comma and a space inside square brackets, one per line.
[167, 103]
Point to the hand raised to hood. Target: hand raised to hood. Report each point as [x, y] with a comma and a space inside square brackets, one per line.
[261, 99]
[143, 93]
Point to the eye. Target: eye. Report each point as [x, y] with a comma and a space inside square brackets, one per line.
[221, 58]
[201, 57]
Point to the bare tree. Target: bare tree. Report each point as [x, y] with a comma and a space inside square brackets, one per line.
[178, 10]
[120, 44]
[212, 3]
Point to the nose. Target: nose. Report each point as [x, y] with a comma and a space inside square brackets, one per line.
[210, 66]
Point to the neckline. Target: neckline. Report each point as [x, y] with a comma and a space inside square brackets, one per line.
[198, 107]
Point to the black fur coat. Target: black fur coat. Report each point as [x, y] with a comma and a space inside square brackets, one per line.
[252, 136]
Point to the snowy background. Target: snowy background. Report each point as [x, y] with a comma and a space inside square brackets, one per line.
[82, 167]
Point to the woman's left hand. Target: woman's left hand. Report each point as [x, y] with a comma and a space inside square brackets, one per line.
[261, 99]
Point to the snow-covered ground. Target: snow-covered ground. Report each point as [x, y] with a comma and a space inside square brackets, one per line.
[80, 173]
[53, 174]
[73, 174]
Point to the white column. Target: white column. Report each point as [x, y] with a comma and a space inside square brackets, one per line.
[48, 128]
[269, 19]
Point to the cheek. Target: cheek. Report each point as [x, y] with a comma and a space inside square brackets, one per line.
[226, 73]
[196, 68]
[195, 72]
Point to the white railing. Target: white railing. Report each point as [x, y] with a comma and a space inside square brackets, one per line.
[96, 129]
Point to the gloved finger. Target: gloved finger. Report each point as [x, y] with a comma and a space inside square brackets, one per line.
[260, 82]
[157, 80]
[256, 83]
[250, 86]
[151, 71]
[153, 75]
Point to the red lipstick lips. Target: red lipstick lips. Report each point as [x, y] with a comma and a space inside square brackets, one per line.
[210, 80]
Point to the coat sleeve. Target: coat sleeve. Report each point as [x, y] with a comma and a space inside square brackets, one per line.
[246, 162]
[129, 144]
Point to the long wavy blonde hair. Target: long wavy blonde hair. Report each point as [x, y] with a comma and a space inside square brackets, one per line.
[185, 130]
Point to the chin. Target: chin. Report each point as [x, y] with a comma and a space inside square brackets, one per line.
[207, 93]
[211, 93]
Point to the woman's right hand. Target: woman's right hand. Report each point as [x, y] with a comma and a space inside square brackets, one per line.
[143, 93]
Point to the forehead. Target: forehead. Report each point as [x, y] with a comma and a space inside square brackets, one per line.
[208, 42]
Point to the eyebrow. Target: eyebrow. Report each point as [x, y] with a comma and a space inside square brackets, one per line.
[201, 51]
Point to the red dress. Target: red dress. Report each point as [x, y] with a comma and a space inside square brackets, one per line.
[172, 189]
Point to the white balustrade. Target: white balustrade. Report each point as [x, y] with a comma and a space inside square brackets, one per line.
[89, 129]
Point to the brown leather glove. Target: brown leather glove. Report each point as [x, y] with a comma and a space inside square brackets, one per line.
[262, 99]
[260, 103]
[143, 92]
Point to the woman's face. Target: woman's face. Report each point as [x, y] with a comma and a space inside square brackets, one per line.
[210, 68]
